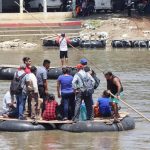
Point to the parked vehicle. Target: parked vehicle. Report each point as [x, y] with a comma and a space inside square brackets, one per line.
[109, 5]
[10, 6]
[103, 5]
[39, 5]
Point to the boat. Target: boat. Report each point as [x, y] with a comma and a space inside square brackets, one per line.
[77, 42]
[7, 72]
[96, 125]
[130, 43]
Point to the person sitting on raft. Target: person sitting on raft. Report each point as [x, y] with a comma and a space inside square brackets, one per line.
[50, 106]
[104, 105]
[9, 109]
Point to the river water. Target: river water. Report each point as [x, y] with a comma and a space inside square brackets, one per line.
[132, 66]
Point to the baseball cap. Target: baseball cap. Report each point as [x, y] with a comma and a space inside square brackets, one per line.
[83, 61]
[79, 66]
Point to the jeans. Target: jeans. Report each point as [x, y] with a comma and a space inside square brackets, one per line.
[21, 100]
[88, 103]
[68, 103]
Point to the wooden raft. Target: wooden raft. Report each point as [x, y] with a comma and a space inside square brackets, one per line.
[105, 120]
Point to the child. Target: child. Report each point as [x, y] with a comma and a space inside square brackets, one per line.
[50, 104]
[104, 105]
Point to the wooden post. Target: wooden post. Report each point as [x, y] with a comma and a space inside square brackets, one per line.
[45, 6]
[74, 8]
[21, 6]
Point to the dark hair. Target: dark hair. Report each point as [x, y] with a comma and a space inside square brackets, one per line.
[46, 61]
[50, 97]
[63, 34]
[33, 69]
[24, 59]
[106, 94]
[65, 70]
[108, 73]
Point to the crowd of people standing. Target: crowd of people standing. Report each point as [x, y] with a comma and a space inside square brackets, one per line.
[72, 90]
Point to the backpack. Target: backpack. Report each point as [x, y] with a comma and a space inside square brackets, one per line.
[15, 86]
[87, 83]
[97, 81]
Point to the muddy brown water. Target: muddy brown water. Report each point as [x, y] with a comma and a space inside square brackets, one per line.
[133, 68]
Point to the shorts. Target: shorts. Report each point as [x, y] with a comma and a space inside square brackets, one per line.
[115, 100]
[63, 54]
[105, 111]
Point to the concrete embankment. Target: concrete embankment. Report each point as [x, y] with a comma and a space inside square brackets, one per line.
[33, 26]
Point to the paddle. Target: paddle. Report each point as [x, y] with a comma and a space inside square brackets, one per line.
[130, 106]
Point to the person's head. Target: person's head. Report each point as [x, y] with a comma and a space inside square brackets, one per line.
[27, 61]
[79, 67]
[65, 70]
[106, 94]
[63, 34]
[50, 97]
[33, 69]
[83, 61]
[46, 63]
[108, 75]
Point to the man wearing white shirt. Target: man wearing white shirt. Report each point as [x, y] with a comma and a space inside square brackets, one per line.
[63, 42]
[32, 89]
[9, 109]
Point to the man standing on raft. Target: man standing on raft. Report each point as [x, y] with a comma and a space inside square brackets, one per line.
[115, 87]
[63, 42]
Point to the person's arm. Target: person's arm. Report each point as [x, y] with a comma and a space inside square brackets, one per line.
[58, 88]
[68, 41]
[117, 83]
[57, 40]
[96, 104]
[45, 83]
[74, 82]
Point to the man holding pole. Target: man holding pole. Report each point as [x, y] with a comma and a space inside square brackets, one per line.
[63, 42]
[115, 87]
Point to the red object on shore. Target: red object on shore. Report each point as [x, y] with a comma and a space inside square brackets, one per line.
[16, 25]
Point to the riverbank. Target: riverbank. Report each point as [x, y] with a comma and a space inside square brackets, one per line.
[118, 26]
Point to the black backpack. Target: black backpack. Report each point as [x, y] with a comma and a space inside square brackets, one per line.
[15, 86]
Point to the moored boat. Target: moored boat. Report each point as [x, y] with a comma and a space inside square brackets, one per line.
[7, 72]
[77, 42]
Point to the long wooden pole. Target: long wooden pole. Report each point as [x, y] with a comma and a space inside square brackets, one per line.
[130, 107]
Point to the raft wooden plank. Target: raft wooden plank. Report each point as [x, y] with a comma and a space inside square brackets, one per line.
[40, 121]
[105, 120]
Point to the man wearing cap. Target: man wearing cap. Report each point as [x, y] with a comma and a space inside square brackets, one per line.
[86, 68]
[115, 87]
[63, 42]
[83, 61]
[79, 89]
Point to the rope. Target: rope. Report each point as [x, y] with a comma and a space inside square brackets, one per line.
[57, 35]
